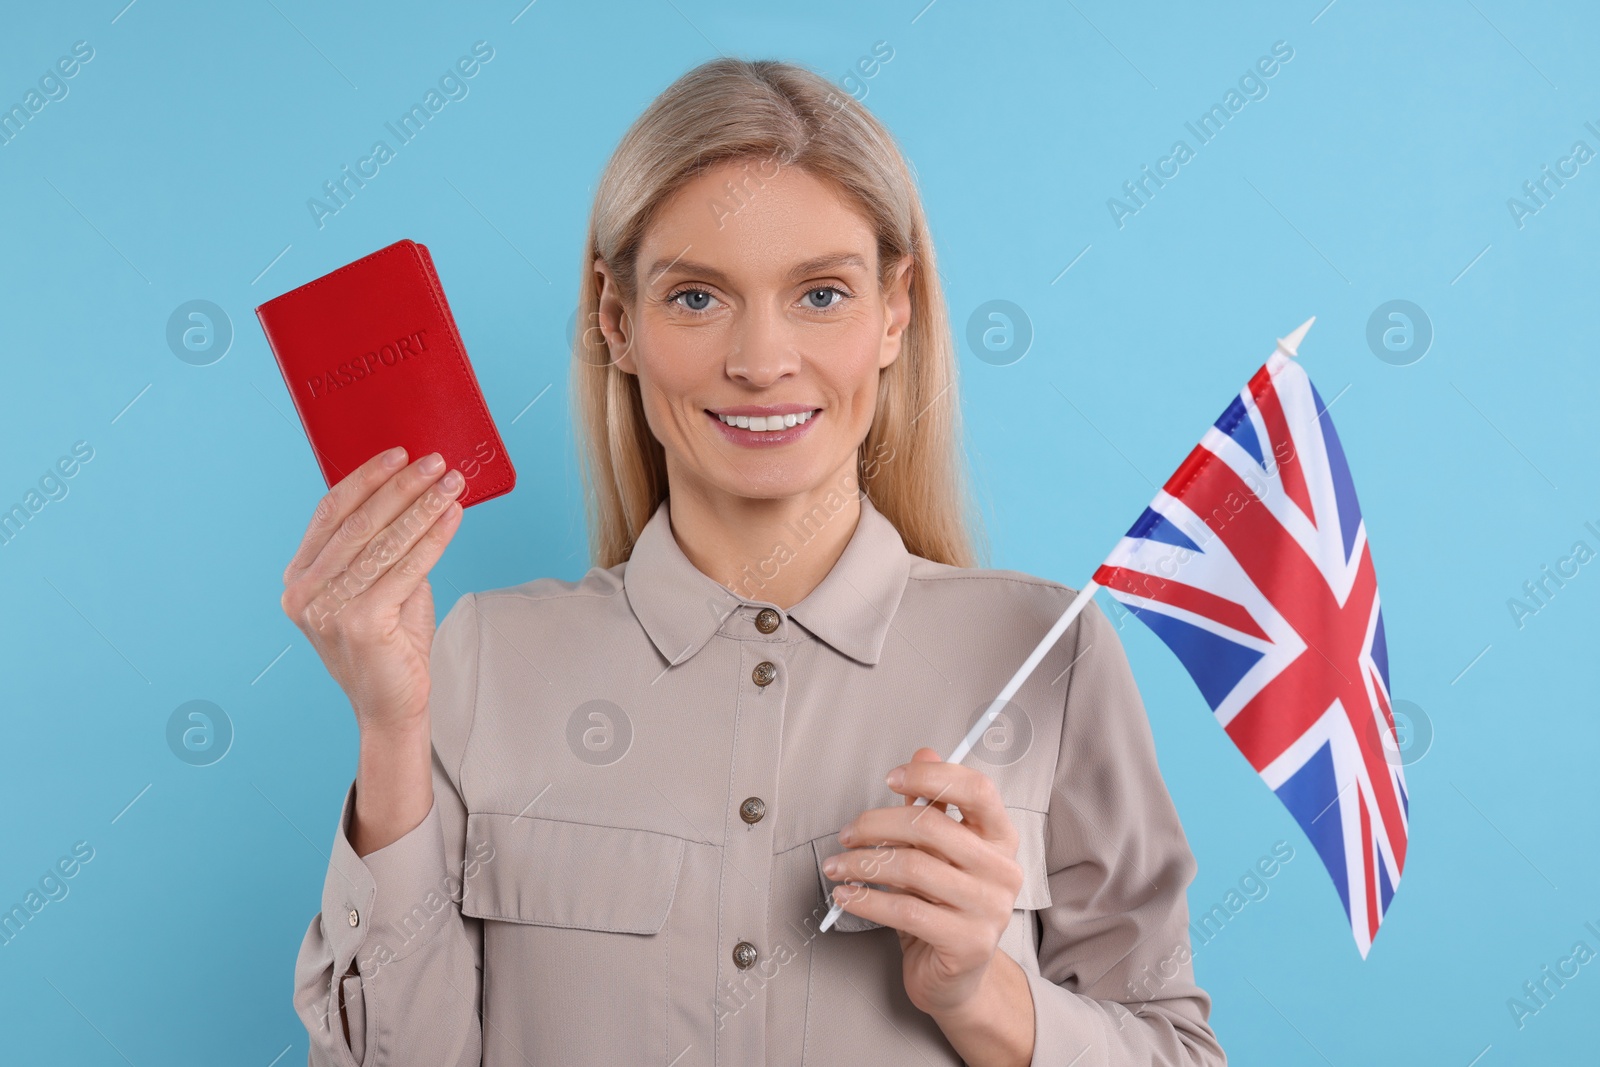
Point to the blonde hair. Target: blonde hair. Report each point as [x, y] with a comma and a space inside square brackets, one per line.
[911, 462]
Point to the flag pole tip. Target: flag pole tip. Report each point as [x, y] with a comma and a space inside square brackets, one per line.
[1291, 344]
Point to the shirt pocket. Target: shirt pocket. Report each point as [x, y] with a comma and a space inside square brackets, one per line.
[550, 872]
[575, 915]
[1033, 896]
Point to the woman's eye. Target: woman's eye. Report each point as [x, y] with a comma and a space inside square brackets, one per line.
[825, 289]
[697, 299]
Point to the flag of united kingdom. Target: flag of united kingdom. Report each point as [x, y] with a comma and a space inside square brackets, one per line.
[1252, 565]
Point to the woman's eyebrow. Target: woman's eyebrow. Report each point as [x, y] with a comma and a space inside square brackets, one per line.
[816, 265]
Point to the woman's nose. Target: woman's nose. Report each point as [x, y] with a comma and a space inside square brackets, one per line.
[764, 349]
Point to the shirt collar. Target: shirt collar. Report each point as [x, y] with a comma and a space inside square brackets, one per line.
[681, 607]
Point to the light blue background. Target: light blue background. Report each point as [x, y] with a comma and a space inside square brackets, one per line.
[1378, 167]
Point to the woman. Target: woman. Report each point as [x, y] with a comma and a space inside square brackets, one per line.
[596, 822]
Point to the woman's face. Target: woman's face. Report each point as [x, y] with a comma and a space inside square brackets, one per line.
[758, 300]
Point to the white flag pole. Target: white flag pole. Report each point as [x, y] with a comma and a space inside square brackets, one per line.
[975, 734]
[1288, 346]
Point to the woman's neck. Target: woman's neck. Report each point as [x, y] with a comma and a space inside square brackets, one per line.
[774, 550]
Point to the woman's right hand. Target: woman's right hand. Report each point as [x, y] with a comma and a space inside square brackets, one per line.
[358, 589]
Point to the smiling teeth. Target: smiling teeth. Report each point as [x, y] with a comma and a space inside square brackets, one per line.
[763, 424]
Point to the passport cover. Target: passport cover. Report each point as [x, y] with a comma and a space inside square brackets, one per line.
[373, 359]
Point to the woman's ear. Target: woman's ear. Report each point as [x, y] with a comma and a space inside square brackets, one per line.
[897, 303]
[613, 322]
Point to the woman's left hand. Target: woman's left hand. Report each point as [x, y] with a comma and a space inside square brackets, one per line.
[957, 882]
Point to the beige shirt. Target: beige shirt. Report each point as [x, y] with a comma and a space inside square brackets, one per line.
[637, 776]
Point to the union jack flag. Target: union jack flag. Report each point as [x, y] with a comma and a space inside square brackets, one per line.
[1252, 565]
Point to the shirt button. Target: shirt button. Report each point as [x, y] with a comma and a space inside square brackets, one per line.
[752, 809]
[766, 620]
[744, 955]
[764, 673]
[355, 917]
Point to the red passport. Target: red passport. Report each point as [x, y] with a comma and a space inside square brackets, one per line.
[372, 358]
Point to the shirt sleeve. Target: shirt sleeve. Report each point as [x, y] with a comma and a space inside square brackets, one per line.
[390, 946]
[1116, 985]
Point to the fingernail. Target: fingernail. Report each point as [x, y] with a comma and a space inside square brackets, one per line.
[896, 778]
[452, 481]
[394, 457]
[432, 463]
[830, 866]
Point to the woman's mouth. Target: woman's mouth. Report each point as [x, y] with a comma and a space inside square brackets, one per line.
[764, 431]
